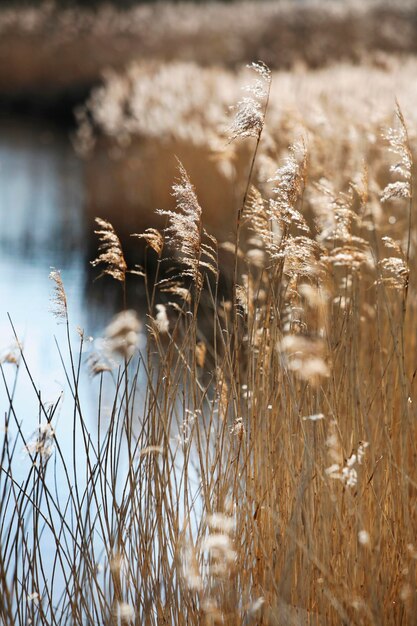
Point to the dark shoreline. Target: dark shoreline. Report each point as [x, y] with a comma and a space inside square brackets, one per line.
[55, 106]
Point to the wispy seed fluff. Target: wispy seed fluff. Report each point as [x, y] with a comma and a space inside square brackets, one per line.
[59, 297]
[111, 253]
[272, 219]
[399, 146]
[346, 472]
[122, 334]
[250, 111]
[394, 269]
[153, 238]
[161, 321]
[305, 356]
[184, 231]
[289, 181]
[42, 442]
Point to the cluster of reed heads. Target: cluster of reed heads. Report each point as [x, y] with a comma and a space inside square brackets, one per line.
[254, 458]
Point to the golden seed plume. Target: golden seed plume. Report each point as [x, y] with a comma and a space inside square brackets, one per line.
[185, 232]
[400, 147]
[250, 110]
[111, 253]
[153, 238]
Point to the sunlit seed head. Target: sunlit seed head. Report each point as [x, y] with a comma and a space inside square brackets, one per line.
[161, 321]
[59, 298]
[238, 428]
[314, 418]
[406, 592]
[111, 254]
[221, 522]
[42, 443]
[122, 334]
[153, 238]
[124, 612]
[363, 537]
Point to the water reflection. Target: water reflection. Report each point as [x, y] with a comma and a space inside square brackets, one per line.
[41, 192]
[42, 225]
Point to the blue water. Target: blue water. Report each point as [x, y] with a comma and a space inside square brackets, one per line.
[42, 226]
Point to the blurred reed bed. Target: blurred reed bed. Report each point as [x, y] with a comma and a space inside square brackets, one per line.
[265, 472]
[131, 134]
[51, 52]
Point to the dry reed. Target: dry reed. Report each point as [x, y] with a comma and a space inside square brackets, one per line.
[270, 484]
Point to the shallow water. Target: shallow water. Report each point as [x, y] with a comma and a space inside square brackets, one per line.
[42, 226]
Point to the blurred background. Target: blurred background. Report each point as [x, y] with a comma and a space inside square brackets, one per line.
[97, 99]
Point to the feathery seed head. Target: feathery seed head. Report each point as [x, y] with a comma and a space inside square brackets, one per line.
[124, 612]
[400, 147]
[272, 220]
[250, 111]
[289, 182]
[169, 285]
[122, 334]
[153, 238]
[347, 473]
[184, 231]
[221, 522]
[111, 253]
[42, 442]
[249, 119]
[11, 354]
[59, 298]
[219, 547]
[161, 321]
[189, 568]
[395, 270]
[396, 191]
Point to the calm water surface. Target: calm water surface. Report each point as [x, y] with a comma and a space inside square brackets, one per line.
[42, 226]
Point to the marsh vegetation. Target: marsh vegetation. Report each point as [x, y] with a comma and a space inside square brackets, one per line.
[249, 456]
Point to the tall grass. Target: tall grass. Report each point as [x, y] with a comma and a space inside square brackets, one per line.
[131, 135]
[265, 472]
